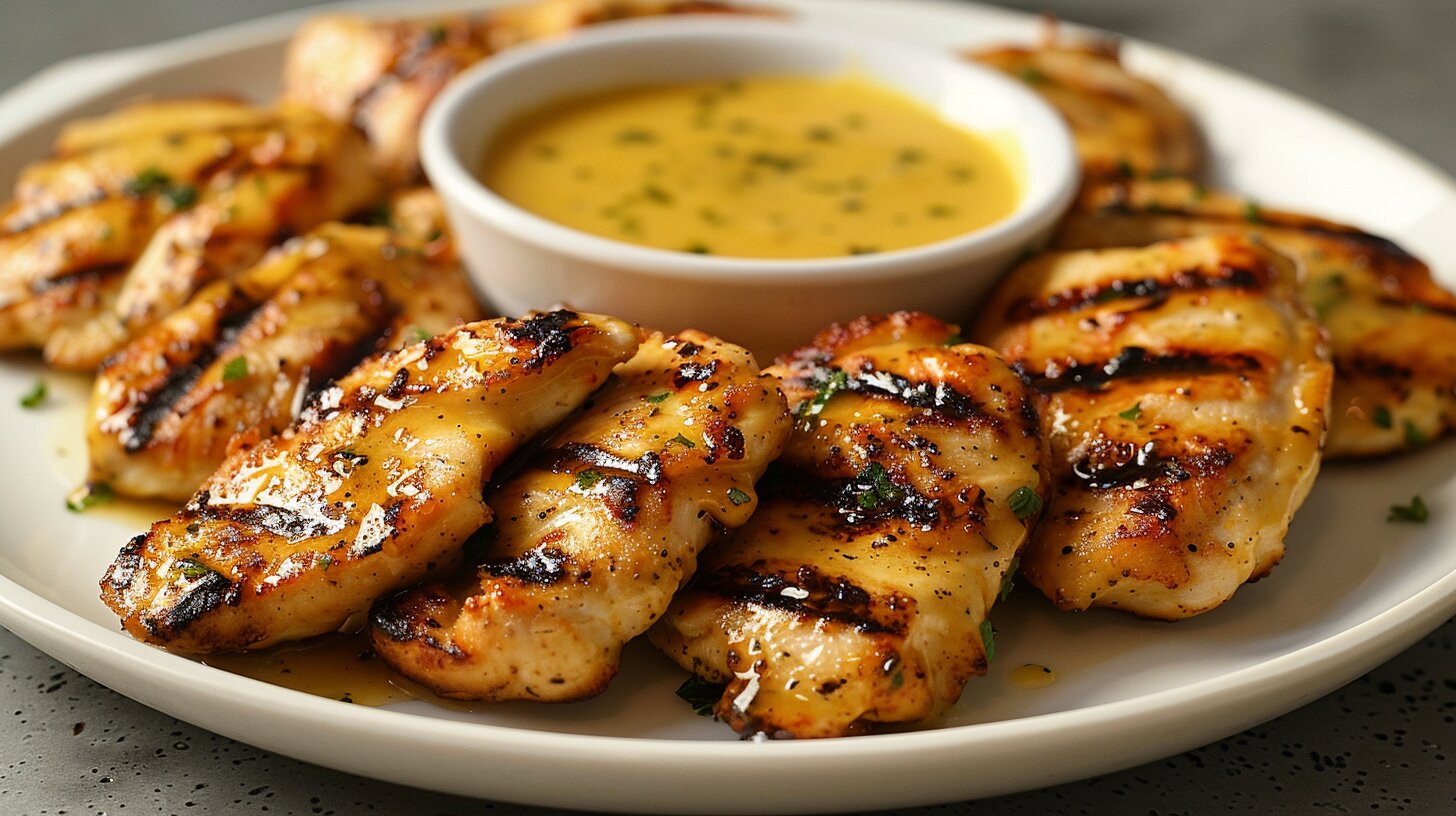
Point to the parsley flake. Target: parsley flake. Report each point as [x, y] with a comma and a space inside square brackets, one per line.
[1381, 418]
[657, 399]
[683, 440]
[587, 479]
[88, 496]
[833, 382]
[1008, 580]
[701, 694]
[873, 488]
[1414, 436]
[1025, 503]
[192, 569]
[988, 639]
[1416, 512]
[738, 497]
[1252, 213]
[35, 396]
[235, 369]
[1132, 414]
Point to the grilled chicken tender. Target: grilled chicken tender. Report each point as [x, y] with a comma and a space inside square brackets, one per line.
[1118, 120]
[1184, 396]
[236, 362]
[139, 208]
[1392, 328]
[372, 490]
[597, 532]
[858, 592]
[381, 75]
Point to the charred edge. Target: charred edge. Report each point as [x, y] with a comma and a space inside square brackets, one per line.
[807, 593]
[573, 455]
[158, 405]
[76, 277]
[1125, 464]
[1188, 280]
[1135, 362]
[42, 215]
[128, 562]
[543, 566]
[1156, 506]
[693, 372]
[547, 333]
[724, 440]
[887, 385]
[407, 618]
[845, 497]
[274, 520]
[688, 349]
[206, 594]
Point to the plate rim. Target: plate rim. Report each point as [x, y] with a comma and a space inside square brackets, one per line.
[1314, 669]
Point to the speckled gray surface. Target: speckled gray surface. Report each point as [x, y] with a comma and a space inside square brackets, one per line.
[1385, 743]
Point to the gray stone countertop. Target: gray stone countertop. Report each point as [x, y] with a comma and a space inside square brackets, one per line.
[1381, 744]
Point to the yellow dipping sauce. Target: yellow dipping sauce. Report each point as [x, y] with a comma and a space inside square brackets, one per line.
[763, 167]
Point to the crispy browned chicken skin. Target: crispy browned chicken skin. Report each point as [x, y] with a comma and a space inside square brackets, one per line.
[1184, 394]
[858, 592]
[597, 532]
[372, 490]
[1392, 328]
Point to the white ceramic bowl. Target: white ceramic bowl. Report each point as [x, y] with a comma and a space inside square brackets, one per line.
[521, 261]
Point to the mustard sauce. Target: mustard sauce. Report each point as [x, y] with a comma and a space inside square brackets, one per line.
[762, 167]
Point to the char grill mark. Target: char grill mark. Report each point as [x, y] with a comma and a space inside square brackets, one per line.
[291, 524]
[887, 385]
[548, 334]
[1135, 362]
[647, 467]
[1189, 280]
[810, 593]
[543, 566]
[207, 593]
[865, 499]
[156, 406]
[75, 277]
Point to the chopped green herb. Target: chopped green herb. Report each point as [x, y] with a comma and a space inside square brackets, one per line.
[988, 639]
[1252, 213]
[953, 340]
[1031, 75]
[180, 196]
[235, 369]
[1420, 308]
[738, 497]
[684, 441]
[1381, 417]
[149, 180]
[1124, 169]
[873, 488]
[436, 33]
[1132, 414]
[418, 335]
[636, 136]
[1025, 503]
[820, 134]
[35, 396]
[587, 479]
[656, 399]
[88, 496]
[1414, 436]
[324, 561]
[1416, 512]
[192, 569]
[657, 195]
[834, 382]
[1008, 580]
[701, 694]
[698, 249]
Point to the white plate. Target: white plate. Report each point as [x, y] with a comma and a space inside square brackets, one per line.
[1353, 591]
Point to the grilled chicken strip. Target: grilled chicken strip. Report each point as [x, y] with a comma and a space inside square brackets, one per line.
[372, 490]
[1185, 391]
[139, 208]
[858, 592]
[597, 532]
[380, 75]
[1118, 120]
[1392, 328]
[239, 359]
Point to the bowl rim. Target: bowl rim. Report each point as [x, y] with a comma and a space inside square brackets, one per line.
[451, 174]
